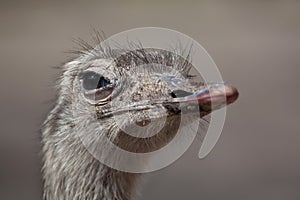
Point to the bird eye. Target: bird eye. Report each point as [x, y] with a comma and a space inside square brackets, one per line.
[92, 80]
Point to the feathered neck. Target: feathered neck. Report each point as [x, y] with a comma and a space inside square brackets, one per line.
[70, 172]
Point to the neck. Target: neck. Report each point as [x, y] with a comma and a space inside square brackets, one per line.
[84, 178]
[71, 172]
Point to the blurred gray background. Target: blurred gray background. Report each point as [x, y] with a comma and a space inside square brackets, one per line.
[256, 45]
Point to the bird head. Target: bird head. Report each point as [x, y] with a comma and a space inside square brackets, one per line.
[136, 98]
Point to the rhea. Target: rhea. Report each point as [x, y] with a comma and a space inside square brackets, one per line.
[104, 94]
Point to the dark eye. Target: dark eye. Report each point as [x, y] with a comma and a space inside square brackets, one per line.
[92, 80]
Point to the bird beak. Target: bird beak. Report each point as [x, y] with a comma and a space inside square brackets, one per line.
[209, 98]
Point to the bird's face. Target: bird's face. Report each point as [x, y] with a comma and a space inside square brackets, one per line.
[138, 103]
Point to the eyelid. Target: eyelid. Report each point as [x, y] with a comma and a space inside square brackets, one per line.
[82, 74]
[104, 94]
[89, 92]
[107, 74]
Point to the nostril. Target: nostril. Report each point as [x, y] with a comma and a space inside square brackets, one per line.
[173, 94]
[180, 93]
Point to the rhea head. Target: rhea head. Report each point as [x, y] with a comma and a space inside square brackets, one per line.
[136, 98]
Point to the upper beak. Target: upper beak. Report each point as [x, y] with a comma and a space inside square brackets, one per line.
[209, 98]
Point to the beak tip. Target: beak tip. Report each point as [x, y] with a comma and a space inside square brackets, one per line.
[219, 94]
[231, 93]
